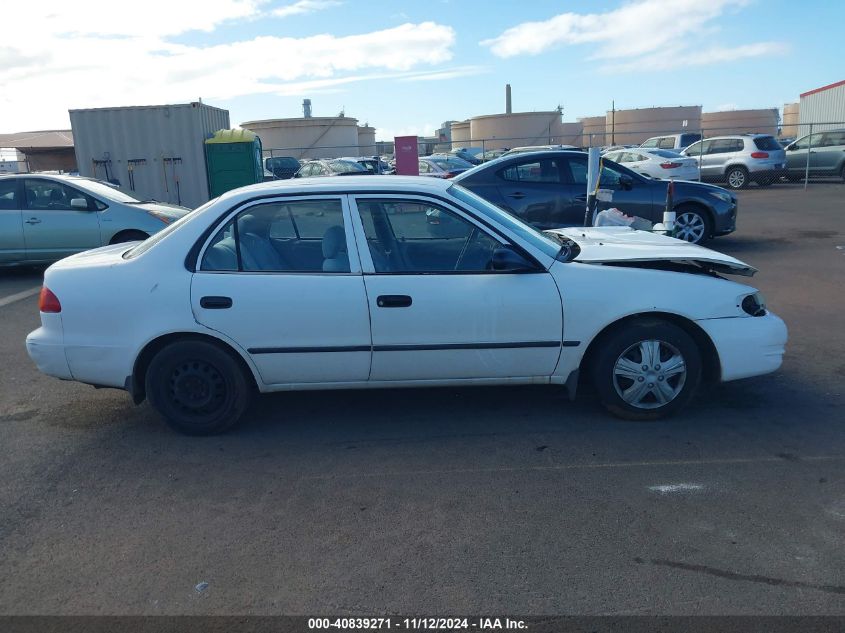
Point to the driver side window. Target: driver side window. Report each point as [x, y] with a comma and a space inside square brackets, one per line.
[55, 196]
[406, 236]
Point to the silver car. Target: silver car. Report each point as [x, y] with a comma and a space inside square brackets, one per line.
[739, 159]
[44, 218]
[827, 155]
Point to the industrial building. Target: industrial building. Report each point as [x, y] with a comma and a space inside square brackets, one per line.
[44, 150]
[157, 151]
[761, 121]
[824, 107]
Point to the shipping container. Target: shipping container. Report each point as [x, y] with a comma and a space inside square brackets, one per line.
[155, 151]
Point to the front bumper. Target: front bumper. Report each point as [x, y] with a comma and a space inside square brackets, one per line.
[747, 346]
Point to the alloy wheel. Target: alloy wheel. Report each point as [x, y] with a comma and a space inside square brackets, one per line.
[649, 374]
[690, 227]
[737, 178]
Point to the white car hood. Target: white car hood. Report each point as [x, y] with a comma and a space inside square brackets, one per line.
[615, 244]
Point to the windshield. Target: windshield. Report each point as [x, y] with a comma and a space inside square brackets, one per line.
[450, 163]
[487, 210]
[107, 190]
[343, 166]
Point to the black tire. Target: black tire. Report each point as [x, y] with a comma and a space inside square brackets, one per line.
[197, 387]
[625, 341]
[129, 236]
[692, 224]
[737, 177]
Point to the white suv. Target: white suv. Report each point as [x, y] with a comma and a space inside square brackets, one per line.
[675, 142]
[739, 159]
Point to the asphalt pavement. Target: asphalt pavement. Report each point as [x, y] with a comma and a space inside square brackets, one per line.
[442, 501]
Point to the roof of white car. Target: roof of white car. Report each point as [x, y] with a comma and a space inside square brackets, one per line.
[340, 184]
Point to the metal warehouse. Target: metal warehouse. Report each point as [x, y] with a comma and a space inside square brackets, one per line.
[156, 151]
[825, 105]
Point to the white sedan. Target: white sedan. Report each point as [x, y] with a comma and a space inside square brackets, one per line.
[656, 163]
[333, 284]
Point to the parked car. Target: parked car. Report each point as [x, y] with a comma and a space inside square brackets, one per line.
[280, 286]
[739, 159]
[826, 151]
[549, 190]
[331, 167]
[443, 166]
[372, 164]
[672, 141]
[492, 154]
[656, 163]
[786, 140]
[537, 148]
[472, 155]
[44, 218]
[282, 167]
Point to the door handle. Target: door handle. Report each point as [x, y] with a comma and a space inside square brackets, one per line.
[216, 303]
[517, 195]
[33, 221]
[393, 301]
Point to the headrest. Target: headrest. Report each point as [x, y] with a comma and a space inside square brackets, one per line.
[334, 242]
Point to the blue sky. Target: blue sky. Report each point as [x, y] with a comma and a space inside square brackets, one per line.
[405, 66]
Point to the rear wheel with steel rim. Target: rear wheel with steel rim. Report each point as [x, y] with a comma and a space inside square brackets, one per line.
[197, 387]
[646, 370]
[737, 177]
[691, 225]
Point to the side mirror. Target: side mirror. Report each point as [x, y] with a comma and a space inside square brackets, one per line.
[79, 203]
[626, 181]
[506, 259]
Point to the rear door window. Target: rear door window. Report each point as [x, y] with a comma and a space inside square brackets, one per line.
[687, 139]
[544, 170]
[833, 139]
[667, 142]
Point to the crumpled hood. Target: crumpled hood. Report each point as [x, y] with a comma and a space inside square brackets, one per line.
[163, 208]
[616, 244]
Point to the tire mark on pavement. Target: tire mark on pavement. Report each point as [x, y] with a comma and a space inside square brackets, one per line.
[731, 575]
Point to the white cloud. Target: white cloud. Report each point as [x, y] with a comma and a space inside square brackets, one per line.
[58, 56]
[661, 32]
[702, 57]
[304, 6]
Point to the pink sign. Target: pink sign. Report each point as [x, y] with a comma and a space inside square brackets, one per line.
[407, 156]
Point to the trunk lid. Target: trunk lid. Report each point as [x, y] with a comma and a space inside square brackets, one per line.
[617, 245]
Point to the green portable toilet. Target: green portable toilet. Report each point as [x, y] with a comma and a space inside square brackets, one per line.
[232, 160]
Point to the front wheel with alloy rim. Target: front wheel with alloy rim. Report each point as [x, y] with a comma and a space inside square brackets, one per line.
[691, 225]
[646, 370]
[197, 387]
[737, 177]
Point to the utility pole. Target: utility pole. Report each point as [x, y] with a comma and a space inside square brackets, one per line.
[613, 122]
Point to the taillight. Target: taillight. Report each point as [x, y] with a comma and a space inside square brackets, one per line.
[48, 302]
[670, 165]
[759, 154]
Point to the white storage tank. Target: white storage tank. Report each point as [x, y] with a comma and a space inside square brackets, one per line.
[516, 129]
[762, 121]
[366, 140]
[460, 134]
[592, 128]
[157, 151]
[624, 127]
[311, 137]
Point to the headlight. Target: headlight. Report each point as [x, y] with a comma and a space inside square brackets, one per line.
[721, 195]
[754, 304]
[167, 219]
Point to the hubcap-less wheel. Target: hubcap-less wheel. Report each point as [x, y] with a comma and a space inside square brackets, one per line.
[649, 374]
[690, 227]
[737, 178]
[197, 388]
